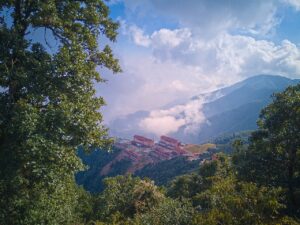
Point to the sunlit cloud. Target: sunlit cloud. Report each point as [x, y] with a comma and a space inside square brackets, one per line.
[214, 44]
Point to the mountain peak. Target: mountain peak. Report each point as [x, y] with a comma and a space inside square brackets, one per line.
[264, 81]
[231, 109]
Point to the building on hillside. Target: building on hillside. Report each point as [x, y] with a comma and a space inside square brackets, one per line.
[131, 155]
[141, 141]
[162, 153]
[170, 143]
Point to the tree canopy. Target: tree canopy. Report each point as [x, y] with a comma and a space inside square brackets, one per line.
[273, 156]
[48, 105]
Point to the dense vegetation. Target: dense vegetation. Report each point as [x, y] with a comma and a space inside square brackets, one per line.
[161, 172]
[213, 195]
[48, 109]
[165, 171]
[91, 178]
[48, 105]
[225, 142]
[257, 184]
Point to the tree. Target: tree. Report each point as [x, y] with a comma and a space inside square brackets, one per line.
[167, 212]
[47, 104]
[188, 186]
[185, 186]
[218, 197]
[232, 202]
[126, 196]
[273, 156]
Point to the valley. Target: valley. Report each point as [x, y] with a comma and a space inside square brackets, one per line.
[160, 160]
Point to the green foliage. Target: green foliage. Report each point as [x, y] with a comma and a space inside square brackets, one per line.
[218, 197]
[225, 142]
[126, 196]
[48, 108]
[48, 105]
[188, 186]
[91, 178]
[84, 210]
[185, 186]
[212, 196]
[251, 188]
[163, 172]
[168, 212]
[232, 202]
[229, 138]
[273, 157]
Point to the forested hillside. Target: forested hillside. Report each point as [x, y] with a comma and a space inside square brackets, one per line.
[257, 184]
[161, 172]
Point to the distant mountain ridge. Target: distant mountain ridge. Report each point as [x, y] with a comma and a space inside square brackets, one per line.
[231, 109]
[239, 108]
[254, 89]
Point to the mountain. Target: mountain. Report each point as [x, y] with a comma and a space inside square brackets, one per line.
[161, 172]
[231, 109]
[255, 89]
[238, 109]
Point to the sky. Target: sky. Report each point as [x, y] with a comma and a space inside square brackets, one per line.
[171, 50]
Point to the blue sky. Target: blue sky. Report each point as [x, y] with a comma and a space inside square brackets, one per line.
[171, 50]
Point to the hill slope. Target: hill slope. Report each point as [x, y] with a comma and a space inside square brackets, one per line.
[231, 109]
[240, 109]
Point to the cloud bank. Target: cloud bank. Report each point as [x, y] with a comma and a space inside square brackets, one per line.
[171, 120]
[225, 54]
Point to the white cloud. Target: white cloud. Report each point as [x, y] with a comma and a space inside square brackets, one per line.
[178, 85]
[138, 36]
[209, 18]
[170, 120]
[294, 3]
[162, 38]
[161, 125]
[169, 38]
[234, 55]
[210, 48]
[178, 64]
[245, 56]
[148, 83]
